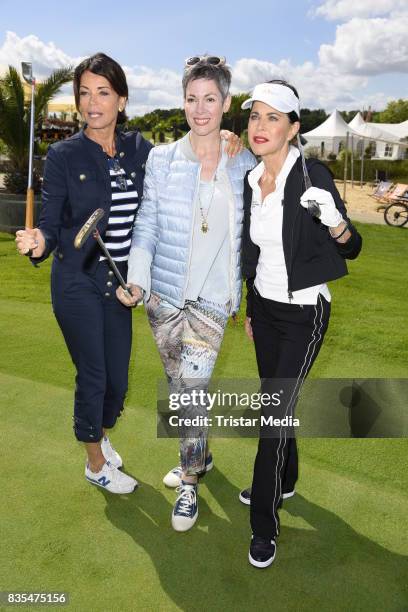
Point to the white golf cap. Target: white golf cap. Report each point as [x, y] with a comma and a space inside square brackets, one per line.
[277, 96]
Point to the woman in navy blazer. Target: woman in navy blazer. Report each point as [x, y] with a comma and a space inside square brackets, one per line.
[100, 167]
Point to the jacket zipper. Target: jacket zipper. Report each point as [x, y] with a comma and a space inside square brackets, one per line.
[290, 294]
[191, 232]
[231, 217]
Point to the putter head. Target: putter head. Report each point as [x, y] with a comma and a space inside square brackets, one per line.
[313, 208]
[88, 228]
[27, 70]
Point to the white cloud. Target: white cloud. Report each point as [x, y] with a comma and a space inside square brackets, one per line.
[342, 10]
[369, 46]
[44, 56]
[314, 83]
[338, 79]
[149, 89]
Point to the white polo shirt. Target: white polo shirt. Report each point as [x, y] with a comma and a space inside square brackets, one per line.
[271, 279]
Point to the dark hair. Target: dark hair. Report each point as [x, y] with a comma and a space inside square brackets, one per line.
[107, 67]
[293, 117]
[219, 73]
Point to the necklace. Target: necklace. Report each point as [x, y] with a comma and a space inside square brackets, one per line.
[204, 217]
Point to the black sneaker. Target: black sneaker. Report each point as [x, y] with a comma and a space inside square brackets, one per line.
[245, 496]
[262, 551]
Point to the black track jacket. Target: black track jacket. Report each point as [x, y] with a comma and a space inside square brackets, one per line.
[312, 256]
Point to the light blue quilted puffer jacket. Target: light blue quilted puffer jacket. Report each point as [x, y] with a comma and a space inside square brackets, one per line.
[162, 236]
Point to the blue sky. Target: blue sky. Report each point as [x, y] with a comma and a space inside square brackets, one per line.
[339, 54]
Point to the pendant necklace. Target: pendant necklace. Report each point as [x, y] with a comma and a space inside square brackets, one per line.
[204, 217]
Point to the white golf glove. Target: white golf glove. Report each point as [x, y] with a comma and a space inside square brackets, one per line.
[329, 215]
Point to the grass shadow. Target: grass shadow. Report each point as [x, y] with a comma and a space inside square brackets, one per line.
[326, 564]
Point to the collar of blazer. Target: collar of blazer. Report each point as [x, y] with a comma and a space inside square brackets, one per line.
[96, 148]
[131, 149]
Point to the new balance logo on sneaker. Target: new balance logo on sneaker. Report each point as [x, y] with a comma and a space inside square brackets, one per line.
[185, 511]
[103, 481]
[111, 479]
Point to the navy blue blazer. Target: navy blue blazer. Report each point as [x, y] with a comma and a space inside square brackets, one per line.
[76, 183]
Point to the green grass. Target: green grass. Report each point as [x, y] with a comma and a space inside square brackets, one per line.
[343, 543]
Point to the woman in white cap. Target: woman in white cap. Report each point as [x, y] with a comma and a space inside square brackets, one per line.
[296, 238]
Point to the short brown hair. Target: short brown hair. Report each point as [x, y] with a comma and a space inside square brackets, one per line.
[220, 73]
[107, 67]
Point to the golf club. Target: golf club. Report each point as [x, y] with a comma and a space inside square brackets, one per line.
[313, 207]
[27, 70]
[90, 227]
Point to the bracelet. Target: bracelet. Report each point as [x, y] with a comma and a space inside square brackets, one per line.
[341, 233]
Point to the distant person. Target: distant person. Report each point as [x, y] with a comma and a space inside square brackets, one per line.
[185, 257]
[100, 166]
[288, 257]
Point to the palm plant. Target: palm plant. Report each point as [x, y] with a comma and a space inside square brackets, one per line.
[236, 115]
[15, 119]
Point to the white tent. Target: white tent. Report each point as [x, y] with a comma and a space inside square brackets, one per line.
[357, 121]
[330, 136]
[384, 137]
[400, 130]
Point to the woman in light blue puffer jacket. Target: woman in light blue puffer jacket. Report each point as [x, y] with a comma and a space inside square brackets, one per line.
[185, 259]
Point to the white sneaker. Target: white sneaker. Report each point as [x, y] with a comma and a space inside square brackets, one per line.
[185, 511]
[111, 479]
[173, 478]
[109, 453]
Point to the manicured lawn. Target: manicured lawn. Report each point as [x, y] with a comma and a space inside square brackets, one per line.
[343, 542]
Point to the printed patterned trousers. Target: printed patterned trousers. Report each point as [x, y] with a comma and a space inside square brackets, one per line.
[189, 340]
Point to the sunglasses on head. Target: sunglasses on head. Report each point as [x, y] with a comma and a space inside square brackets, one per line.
[120, 179]
[214, 60]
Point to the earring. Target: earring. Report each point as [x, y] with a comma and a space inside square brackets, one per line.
[120, 109]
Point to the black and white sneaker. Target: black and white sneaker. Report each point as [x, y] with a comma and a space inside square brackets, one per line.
[185, 511]
[245, 496]
[262, 551]
[173, 478]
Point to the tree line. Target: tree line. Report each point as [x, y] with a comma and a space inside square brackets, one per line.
[173, 120]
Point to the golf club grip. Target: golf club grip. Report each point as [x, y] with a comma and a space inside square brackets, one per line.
[29, 212]
[112, 264]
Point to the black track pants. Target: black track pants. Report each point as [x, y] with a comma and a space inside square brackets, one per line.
[287, 340]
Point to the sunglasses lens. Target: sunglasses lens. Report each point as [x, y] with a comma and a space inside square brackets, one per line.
[121, 183]
[191, 61]
[214, 60]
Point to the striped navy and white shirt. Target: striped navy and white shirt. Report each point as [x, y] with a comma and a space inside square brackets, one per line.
[118, 234]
